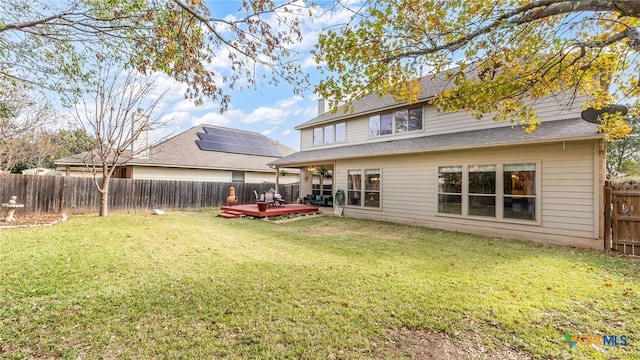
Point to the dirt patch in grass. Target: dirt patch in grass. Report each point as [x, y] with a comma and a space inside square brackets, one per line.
[436, 345]
[30, 220]
[368, 230]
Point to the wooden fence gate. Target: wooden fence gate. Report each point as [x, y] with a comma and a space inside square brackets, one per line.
[622, 218]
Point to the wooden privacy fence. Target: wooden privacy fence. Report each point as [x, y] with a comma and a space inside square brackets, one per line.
[76, 195]
[622, 218]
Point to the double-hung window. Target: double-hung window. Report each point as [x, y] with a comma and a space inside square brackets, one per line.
[354, 188]
[482, 190]
[519, 191]
[450, 189]
[317, 136]
[329, 134]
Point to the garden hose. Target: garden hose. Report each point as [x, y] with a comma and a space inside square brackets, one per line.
[339, 198]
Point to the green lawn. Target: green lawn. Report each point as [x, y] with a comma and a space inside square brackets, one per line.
[190, 285]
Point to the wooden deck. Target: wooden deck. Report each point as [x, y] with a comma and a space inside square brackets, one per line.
[252, 210]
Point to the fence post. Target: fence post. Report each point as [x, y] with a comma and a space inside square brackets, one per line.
[61, 196]
[607, 215]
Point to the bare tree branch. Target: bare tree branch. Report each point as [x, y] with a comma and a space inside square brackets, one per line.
[118, 112]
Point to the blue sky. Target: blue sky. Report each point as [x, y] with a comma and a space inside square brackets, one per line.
[271, 110]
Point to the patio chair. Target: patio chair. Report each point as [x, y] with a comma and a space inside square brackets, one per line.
[278, 200]
[269, 197]
[258, 198]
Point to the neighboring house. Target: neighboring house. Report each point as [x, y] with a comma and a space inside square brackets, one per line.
[410, 163]
[202, 153]
[40, 171]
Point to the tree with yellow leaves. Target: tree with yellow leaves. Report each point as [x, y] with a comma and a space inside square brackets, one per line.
[55, 44]
[499, 54]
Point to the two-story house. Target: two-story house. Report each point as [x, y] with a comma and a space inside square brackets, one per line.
[410, 163]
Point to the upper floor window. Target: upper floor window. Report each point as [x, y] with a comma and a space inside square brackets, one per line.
[381, 125]
[397, 122]
[341, 132]
[317, 136]
[330, 133]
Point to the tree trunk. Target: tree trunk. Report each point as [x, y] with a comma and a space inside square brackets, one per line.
[104, 197]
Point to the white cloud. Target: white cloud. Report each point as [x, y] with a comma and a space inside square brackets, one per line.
[190, 106]
[212, 118]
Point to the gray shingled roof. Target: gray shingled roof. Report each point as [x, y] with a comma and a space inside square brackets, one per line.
[573, 129]
[182, 151]
[430, 85]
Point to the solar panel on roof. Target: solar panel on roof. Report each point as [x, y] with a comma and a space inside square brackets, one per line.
[208, 137]
[204, 145]
[224, 140]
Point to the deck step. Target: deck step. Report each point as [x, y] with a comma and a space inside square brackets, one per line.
[229, 215]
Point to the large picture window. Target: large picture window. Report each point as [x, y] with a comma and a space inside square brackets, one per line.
[500, 191]
[364, 188]
[397, 122]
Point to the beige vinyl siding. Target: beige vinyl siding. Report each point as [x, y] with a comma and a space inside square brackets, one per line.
[185, 174]
[357, 131]
[567, 185]
[259, 177]
[567, 201]
[76, 171]
[436, 123]
[160, 173]
[548, 109]
[306, 139]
